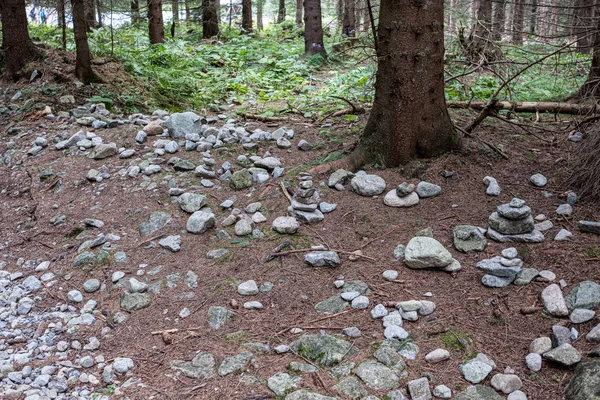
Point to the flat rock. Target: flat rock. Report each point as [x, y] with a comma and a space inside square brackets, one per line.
[426, 189]
[332, 305]
[235, 363]
[322, 259]
[589, 227]
[202, 366]
[377, 376]
[533, 237]
[304, 394]
[325, 350]
[191, 202]
[135, 301]
[171, 243]
[581, 315]
[478, 392]
[594, 334]
[368, 185]
[248, 288]
[419, 389]
[585, 382]
[506, 383]
[554, 302]
[511, 227]
[475, 371]
[564, 354]
[285, 225]
[218, 316]
[391, 199]
[200, 222]
[585, 295]
[155, 221]
[424, 252]
[281, 383]
[351, 388]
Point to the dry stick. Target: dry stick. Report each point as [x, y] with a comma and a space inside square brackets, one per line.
[285, 192]
[265, 119]
[372, 24]
[277, 249]
[490, 145]
[489, 107]
[284, 253]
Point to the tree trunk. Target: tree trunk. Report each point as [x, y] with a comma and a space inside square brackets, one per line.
[16, 44]
[281, 12]
[187, 9]
[135, 11]
[83, 62]
[259, 14]
[99, 23]
[409, 116]
[210, 26]
[217, 5]
[175, 7]
[483, 25]
[518, 16]
[349, 23]
[313, 29]
[591, 87]
[299, 13]
[246, 16]
[584, 14]
[156, 28]
[533, 19]
[451, 24]
[62, 23]
[499, 19]
[89, 14]
[340, 11]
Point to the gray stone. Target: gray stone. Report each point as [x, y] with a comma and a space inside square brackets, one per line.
[554, 302]
[339, 177]
[511, 227]
[202, 366]
[103, 151]
[419, 389]
[304, 394]
[191, 202]
[368, 185]
[581, 315]
[325, 350]
[534, 362]
[390, 275]
[532, 237]
[186, 123]
[478, 392]
[585, 382]
[352, 332]
[589, 227]
[377, 376]
[538, 180]
[564, 354]
[75, 296]
[243, 227]
[399, 252]
[322, 259]
[235, 363]
[332, 305]
[241, 179]
[496, 281]
[526, 276]
[563, 235]
[391, 199]
[442, 392]
[379, 311]
[155, 221]
[426, 189]
[585, 295]
[171, 243]
[594, 334]
[540, 345]
[512, 213]
[395, 332]
[437, 356]
[247, 288]
[342, 369]
[360, 302]
[506, 383]
[468, 238]
[91, 285]
[281, 383]
[475, 371]
[218, 316]
[404, 189]
[200, 222]
[424, 252]
[325, 207]
[544, 226]
[564, 210]
[135, 301]
[351, 388]
[216, 253]
[493, 189]
[493, 266]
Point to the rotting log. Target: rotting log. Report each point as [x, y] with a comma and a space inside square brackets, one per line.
[530, 107]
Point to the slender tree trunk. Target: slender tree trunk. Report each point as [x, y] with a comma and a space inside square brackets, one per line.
[62, 23]
[90, 17]
[83, 62]
[499, 19]
[210, 26]
[591, 87]
[409, 116]
[518, 16]
[340, 11]
[100, 23]
[451, 23]
[313, 29]
[246, 16]
[483, 25]
[16, 44]
[135, 11]
[187, 9]
[349, 23]
[217, 5]
[156, 28]
[299, 13]
[259, 14]
[533, 19]
[175, 7]
[281, 12]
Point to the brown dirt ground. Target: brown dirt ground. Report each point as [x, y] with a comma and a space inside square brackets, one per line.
[490, 317]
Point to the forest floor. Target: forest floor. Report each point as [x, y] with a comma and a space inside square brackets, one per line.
[469, 318]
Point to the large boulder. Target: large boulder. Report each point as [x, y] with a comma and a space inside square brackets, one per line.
[180, 124]
[585, 384]
[325, 350]
[425, 252]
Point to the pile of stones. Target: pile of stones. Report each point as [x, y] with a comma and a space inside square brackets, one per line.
[501, 271]
[305, 202]
[407, 194]
[512, 222]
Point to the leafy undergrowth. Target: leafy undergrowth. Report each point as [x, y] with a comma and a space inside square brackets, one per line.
[266, 75]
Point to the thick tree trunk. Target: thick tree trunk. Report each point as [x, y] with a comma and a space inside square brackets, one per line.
[313, 29]
[135, 11]
[156, 29]
[210, 25]
[281, 12]
[246, 16]
[584, 14]
[259, 15]
[409, 116]
[499, 19]
[349, 22]
[83, 62]
[299, 13]
[16, 44]
[517, 27]
[591, 87]
[90, 14]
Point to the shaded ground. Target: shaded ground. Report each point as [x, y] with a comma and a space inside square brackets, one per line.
[489, 317]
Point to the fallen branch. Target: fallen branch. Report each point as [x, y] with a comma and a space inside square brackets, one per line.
[284, 253]
[277, 249]
[529, 107]
[261, 118]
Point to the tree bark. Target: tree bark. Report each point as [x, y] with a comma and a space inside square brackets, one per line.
[89, 13]
[340, 11]
[483, 25]
[451, 24]
[281, 12]
[175, 8]
[246, 17]
[518, 16]
[583, 18]
[259, 14]
[83, 62]
[210, 25]
[409, 116]
[135, 11]
[349, 22]
[217, 5]
[99, 23]
[16, 44]
[299, 13]
[591, 87]
[533, 19]
[499, 19]
[62, 21]
[313, 29]
[156, 29]
[186, 4]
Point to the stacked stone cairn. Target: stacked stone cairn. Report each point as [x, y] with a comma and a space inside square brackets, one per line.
[512, 222]
[206, 170]
[501, 271]
[305, 201]
[403, 196]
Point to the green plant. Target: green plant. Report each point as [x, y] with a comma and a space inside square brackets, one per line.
[459, 341]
